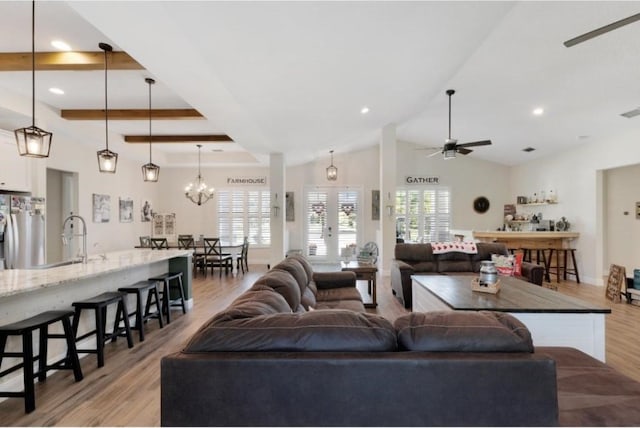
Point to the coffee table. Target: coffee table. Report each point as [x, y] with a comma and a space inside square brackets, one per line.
[366, 272]
[553, 318]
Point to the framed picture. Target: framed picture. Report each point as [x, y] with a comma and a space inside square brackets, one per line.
[101, 208]
[126, 210]
[290, 214]
[146, 211]
[375, 205]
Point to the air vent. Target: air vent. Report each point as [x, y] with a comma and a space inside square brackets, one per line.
[528, 149]
[631, 113]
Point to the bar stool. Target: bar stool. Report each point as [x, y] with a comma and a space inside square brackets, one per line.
[563, 269]
[25, 329]
[171, 280]
[153, 298]
[528, 252]
[99, 304]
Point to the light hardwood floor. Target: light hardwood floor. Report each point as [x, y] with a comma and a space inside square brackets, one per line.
[126, 391]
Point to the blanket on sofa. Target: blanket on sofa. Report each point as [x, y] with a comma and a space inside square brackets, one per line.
[448, 247]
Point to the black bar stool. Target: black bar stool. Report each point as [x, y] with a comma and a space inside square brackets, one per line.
[562, 269]
[153, 298]
[574, 270]
[171, 280]
[25, 329]
[99, 304]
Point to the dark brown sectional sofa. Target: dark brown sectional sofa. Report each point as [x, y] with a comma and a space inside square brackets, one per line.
[418, 259]
[298, 349]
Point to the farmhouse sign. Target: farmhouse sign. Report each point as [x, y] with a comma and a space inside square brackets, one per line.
[247, 180]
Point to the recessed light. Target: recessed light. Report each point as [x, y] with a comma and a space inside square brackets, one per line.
[60, 45]
[528, 149]
[538, 111]
[56, 91]
[217, 150]
[364, 110]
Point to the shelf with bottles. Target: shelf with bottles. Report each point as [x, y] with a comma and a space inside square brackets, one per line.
[538, 199]
[537, 204]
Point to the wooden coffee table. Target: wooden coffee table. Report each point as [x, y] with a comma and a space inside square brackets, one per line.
[365, 272]
[554, 319]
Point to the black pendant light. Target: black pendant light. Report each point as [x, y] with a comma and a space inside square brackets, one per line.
[33, 141]
[150, 171]
[332, 171]
[107, 160]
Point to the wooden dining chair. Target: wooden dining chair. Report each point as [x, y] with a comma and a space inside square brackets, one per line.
[243, 258]
[187, 242]
[215, 258]
[159, 244]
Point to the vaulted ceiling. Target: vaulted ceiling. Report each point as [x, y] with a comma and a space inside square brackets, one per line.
[292, 77]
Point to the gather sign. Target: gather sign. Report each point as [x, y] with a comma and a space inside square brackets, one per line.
[410, 179]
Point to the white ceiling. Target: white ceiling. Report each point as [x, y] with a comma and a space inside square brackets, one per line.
[291, 77]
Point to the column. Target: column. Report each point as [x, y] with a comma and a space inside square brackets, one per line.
[277, 180]
[387, 197]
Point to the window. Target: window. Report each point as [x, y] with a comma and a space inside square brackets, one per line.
[244, 213]
[423, 215]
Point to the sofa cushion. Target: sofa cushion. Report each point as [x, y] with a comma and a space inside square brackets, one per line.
[259, 300]
[351, 305]
[296, 270]
[454, 261]
[284, 284]
[344, 293]
[421, 267]
[305, 264]
[329, 331]
[463, 331]
[414, 252]
[308, 299]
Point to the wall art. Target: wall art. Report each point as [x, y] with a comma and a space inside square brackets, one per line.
[126, 210]
[101, 208]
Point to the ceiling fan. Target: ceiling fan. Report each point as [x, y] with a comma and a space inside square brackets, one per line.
[602, 30]
[451, 146]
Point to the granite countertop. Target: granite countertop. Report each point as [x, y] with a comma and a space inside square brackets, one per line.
[17, 281]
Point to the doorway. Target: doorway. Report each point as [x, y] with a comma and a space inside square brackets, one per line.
[61, 201]
[332, 220]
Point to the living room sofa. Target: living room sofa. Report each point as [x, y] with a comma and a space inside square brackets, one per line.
[299, 349]
[419, 259]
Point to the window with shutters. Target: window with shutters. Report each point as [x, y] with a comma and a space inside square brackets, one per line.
[244, 213]
[423, 215]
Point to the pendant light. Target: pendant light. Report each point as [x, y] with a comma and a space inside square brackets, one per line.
[332, 171]
[150, 171]
[33, 141]
[107, 160]
[198, 192]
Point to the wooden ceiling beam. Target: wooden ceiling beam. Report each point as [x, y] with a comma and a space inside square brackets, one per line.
[66, 61]
[219, 138]
[132, 114]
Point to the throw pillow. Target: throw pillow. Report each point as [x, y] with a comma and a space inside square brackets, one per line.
[517, 268]
[504, 264]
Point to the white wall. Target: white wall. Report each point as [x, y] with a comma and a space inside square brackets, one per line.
[467, 178]
[575, 176]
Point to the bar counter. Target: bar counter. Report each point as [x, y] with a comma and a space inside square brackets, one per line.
[533, 240]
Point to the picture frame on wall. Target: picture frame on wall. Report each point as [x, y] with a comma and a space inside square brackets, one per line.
[146, 211]
[290, 214]
[125, 210]
[375, 205]
[101, 208]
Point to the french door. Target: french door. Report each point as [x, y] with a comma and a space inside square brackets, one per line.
[332, 219]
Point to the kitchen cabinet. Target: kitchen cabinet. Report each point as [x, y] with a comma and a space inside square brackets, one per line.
[14, 169]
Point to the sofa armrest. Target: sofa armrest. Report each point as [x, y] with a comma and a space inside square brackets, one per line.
[533, 272]
[403, 267]
[325, 280]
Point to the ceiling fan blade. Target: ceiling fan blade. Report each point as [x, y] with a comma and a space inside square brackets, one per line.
[463, 151]
[437, 152]
[602, 30]
[476, 143]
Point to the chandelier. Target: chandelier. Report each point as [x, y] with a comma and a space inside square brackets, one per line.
[198, 192]
[150, 171]
[33, 141]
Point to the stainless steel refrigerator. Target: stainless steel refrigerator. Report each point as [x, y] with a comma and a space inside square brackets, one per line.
[22, 231]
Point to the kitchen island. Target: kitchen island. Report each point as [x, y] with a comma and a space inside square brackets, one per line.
[530, 240]
[28, 292]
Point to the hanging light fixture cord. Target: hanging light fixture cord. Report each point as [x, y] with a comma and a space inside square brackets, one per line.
[33, 63]
[106, 106]
[150, 82]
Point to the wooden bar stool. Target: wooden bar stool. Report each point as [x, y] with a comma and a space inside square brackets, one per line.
[574, 270]
[99, 304]
[171, 280]
[25, 329]
[554, 269]
[153, 298]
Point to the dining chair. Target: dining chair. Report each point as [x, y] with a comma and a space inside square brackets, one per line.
[215, 258]
[145, 241]
[243, 258]
[187, 242]
[159, 244]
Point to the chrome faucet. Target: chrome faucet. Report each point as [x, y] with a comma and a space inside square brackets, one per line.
[83, 234]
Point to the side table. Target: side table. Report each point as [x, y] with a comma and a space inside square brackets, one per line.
[365, 272]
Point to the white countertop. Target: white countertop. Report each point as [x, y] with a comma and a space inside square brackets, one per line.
[17, 281]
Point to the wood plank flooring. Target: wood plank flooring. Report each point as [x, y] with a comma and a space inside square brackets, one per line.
[126, 391]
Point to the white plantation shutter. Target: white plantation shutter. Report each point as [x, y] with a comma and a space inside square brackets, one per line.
[244, 213]
[316, 212]
[423, 215]
[347, 218]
